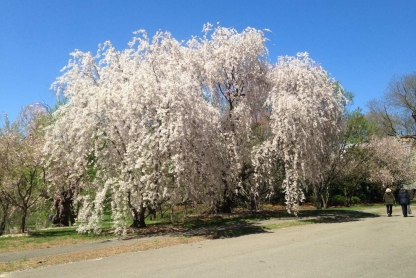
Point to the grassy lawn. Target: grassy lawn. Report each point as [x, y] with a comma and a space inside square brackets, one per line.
[210, 226]
[180, 231]
[48, 238]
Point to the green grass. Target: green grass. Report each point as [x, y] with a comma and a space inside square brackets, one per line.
[361, 207]
[211, 226]
[222, 226]
[325, 216]
[48, 238]
[287, 224]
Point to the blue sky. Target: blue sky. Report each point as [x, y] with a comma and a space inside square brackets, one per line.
[361, 43]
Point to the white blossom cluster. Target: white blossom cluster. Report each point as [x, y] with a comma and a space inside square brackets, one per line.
[393, 161]
[306, 112]
[168, 120]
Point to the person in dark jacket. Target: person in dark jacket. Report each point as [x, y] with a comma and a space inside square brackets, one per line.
[404, 201]
[389, 201]
[411, 196]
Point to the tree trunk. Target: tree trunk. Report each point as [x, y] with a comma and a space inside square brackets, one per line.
[253, 202]
[226, 206]
[152, 212]
[65, 214]
[324, 203]
[23, 222]
[172, 206]
[72, 215]
[3, 220]
[325, 197]
[138, 217]
[347, 198]
[2, 226]
[185, 211]
[226, 203]
[316, 197]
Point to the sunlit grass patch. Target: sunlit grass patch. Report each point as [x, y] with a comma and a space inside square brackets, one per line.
[48, 238]
[287, 224]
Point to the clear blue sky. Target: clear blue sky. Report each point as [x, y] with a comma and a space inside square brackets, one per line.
[361, 43]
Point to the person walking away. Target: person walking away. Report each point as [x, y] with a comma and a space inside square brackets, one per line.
[411, 196]
[404, 201]
[389, 200]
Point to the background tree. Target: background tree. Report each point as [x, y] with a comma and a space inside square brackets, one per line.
[305, 115]
[392, 163]
[6, 208]
[22, 173]
[331, 162]
[395, 113]
[352, 164]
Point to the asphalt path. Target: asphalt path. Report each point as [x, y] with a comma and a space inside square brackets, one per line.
[369, 247]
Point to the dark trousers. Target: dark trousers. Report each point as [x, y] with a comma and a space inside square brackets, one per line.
[389, 209]
[404, 210]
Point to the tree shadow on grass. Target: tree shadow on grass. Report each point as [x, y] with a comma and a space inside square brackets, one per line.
[246, 223]
[335, 216]
[224, 225]
[53, 233]
[227, 230]
[66, 233]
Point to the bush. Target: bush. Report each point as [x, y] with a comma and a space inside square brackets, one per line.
[338, 200]
[355, 200]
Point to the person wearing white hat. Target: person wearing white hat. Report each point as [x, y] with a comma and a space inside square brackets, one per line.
[389, 201]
